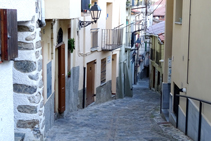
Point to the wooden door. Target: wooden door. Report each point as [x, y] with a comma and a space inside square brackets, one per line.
[61, 79]
[90, 83]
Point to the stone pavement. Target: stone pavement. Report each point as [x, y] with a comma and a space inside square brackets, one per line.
[128, 119]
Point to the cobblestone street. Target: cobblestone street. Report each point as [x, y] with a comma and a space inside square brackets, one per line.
[128, 119]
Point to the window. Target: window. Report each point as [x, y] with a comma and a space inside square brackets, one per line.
[178, 12]
[94, 33]
[103, 70]
[85, 5]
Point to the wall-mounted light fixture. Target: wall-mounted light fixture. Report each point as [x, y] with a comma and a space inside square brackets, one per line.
[95, 14]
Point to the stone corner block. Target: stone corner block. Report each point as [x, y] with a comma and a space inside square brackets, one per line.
[25, 46]
[27, 109]
[24, 28]
[25, 89]
[25, 66]
[27, 123]
[38, 44]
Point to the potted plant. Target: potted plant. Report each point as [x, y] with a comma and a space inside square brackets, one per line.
[89, 6]
[71, 44]
[69, 74]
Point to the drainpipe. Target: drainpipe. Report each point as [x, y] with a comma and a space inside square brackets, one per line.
[42, 21]
[84, 87]
[189, 43]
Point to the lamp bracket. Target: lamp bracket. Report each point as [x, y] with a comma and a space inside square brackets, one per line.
[85, 23]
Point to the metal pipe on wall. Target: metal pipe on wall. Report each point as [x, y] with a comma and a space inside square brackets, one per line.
[189, 42]
[84, 96]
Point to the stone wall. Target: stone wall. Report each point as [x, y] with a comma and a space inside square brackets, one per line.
[72, 98]
[27, 80]
[80, 98]
[49, 112]
[193, 120]
[103, 93]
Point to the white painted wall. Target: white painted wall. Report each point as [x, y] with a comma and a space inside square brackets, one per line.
[25, 12]
[6, 102]
[25, 8]
[67, 9]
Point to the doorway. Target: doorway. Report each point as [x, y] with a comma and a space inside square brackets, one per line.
[176, 102]
[61, 78]
[90, 83]
[113, 81]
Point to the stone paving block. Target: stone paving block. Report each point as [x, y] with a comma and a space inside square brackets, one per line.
[127, 119]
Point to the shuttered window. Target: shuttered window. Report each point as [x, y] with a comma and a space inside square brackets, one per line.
[8, 34]
[85, 5]
[103, 70]
[94, 38]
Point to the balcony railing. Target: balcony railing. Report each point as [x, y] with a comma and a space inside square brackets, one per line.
[201, 104]
[112, 39]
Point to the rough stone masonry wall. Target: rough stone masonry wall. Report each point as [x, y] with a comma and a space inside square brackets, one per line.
[27, 81]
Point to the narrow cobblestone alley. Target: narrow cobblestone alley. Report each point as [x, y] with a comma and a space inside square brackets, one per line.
[128, 119]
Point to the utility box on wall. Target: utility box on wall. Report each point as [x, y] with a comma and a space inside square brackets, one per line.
[8, 34]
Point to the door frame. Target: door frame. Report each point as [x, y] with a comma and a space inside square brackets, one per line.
[60, 98]
[90, 82]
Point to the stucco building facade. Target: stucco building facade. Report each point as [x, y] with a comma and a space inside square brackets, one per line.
[187, 45]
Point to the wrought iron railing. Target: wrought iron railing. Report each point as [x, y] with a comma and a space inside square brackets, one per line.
[187, 112]
[112, 38]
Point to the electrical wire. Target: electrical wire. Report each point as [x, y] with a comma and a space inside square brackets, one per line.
[155, 8]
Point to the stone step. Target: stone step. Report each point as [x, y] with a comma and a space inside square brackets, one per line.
[19, 136]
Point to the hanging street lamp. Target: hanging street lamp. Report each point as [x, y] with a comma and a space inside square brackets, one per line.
[95, 14]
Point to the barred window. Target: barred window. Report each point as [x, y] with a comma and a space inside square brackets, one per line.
[103, 70]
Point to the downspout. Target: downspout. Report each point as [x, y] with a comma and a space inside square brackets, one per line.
[42, 22]
[189, 43]
[84, 87]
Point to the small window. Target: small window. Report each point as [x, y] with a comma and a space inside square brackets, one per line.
[85, 5]
[94, 33]
[178, 12]
[103, 70]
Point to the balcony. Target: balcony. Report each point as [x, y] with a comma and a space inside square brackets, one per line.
[112, 39]
[67, 9]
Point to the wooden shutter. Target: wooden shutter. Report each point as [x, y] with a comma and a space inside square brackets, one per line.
[8, 34]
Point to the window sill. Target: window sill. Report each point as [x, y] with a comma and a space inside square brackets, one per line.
[94, 49]
[178, 23]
